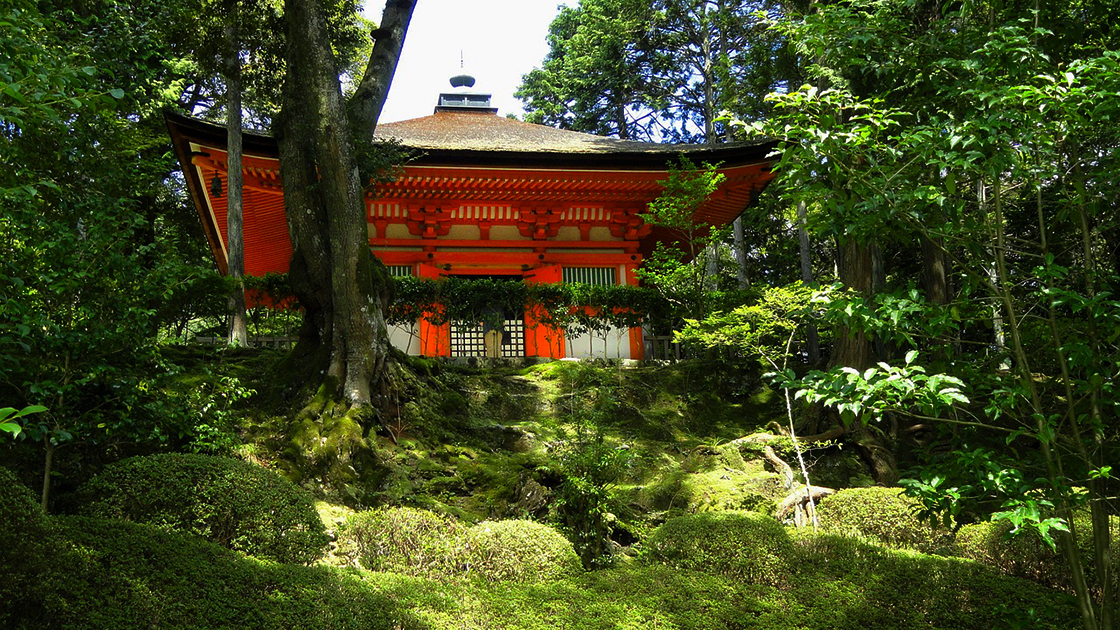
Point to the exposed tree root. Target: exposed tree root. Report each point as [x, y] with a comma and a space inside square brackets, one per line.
[799, 504]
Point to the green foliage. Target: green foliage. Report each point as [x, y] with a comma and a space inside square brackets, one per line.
[665, 70]
[739, 545]
[898, 146]
[678, 269]
[515, 551]
[885, 515]
[591, 467]
[115, 574]
[233, 503]
[95, 242]
[10, 418]
[877, 390]
[764, 328]
[402, 540]
[211, 414]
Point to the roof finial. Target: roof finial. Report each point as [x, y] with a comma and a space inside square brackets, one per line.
[462, 79]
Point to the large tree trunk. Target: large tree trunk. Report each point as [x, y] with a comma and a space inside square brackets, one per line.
[935, 281]
[332, 268]
[856, 269]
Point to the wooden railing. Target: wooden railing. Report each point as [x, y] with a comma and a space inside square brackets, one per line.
[662, 348]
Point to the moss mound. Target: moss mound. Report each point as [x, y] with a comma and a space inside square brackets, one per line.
[851, 583]
[402, 540]
[515, 551]
[1027, 556]
[232, 503]
[739, 545]
[114, 574]
[416, 542]
[30, 539]
[881, 514]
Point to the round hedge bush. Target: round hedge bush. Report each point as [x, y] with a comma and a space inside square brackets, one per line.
[885, 515]
[29, 543]
[413, 541]
[233, 503]
[515, 551]
[1027, 556]
[403, 540]
[741, 545]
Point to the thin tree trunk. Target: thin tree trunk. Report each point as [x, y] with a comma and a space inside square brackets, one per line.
[48, 464]
[740, 253]
[935, 282]
[805, 252]
[1066, 541]
[1099, 488]
[238, 330]
[369, 98]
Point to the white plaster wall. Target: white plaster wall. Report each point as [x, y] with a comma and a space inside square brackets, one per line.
[614, 345]
[405, 338]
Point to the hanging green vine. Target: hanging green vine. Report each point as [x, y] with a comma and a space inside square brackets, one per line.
[575, 308]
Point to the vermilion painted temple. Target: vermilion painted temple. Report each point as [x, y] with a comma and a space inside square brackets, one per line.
[486, 196]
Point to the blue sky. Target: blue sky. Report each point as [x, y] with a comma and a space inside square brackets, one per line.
[500, 40]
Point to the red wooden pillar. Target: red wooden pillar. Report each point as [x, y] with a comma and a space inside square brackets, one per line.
[435, 341]
[637, 335]
[542, 340]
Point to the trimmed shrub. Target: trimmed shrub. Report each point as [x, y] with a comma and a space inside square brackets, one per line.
[845, 582]
[402, 540]
[1027, 556]
[515, 551]
[740, 545]
[118, 575]
[884, 515]
[232, 503]
[412, 541]
[29, 543]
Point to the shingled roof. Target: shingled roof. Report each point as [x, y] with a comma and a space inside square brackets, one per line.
[489, 132]
[448, 133]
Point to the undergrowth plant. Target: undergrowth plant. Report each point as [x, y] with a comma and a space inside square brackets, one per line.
[591, 466]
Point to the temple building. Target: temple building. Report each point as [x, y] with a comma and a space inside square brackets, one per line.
[485, 196]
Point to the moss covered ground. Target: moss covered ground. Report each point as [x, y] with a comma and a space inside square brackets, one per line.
[606, 455]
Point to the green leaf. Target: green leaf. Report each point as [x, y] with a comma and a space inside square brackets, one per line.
[116, 93]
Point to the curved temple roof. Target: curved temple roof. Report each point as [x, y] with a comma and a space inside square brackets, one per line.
[477, 156]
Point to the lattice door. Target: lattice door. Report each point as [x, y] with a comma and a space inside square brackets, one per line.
[468, 339]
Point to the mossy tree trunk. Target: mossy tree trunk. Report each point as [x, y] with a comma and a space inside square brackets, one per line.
[333, 273]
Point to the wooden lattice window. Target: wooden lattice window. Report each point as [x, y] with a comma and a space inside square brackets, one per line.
[599, 276]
